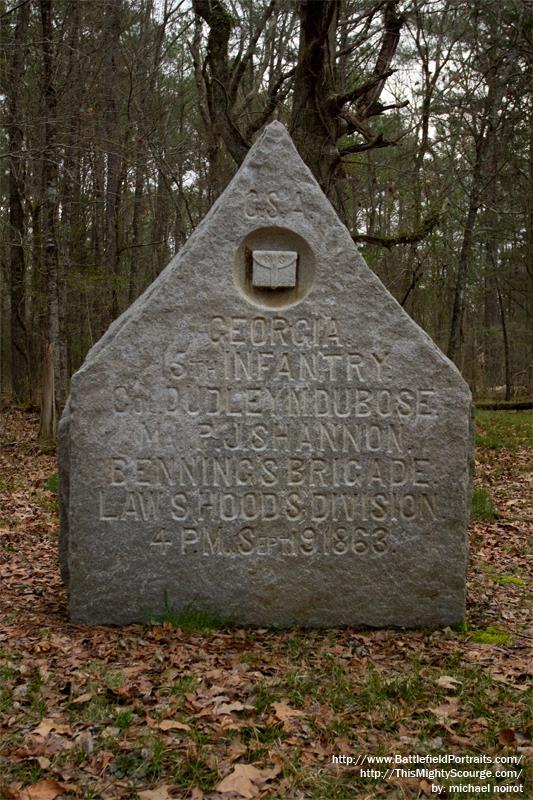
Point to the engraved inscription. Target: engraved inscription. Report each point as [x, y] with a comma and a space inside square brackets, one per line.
[292, 427]
[268, 206]
[162, 541]
[268, 331]
[144, 476]
[340, 541]
[128, 506]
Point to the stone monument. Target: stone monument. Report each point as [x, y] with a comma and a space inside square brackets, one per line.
[265, 434]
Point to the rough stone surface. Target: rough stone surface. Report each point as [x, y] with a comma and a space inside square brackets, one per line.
[290, 455]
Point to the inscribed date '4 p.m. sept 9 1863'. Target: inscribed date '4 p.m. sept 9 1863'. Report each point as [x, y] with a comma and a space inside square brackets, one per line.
[265, 434]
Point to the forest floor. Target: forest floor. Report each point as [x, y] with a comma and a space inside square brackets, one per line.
[158, 712]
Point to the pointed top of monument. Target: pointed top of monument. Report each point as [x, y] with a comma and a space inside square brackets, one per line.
[273, 242]
[275, 133]
[277, 127]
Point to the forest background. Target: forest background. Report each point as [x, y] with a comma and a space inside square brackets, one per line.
[123, 120]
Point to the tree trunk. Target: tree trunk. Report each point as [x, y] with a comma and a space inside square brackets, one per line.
[111, 39]
[506, 348]
[464, 256]
[313, 128]
[160, 252]
[38, 290]
[48, 426]
[136, 230]
[51, 370]
[529, 251]
[17, 267]
[217, 75]
[70, 312]
[5, 338]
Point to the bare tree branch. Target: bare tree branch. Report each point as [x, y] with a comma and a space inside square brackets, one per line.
[359, 91]
[428, 224]
[240, 65]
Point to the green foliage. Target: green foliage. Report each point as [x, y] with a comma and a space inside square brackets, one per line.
[5, 701]
[110, 743]
[34, 697]
[52, 483]
[482, 507]
[264, 697]
[98, 709]
[504, 429]
[268, 735]
[157, 758]
[380, 690]
[7, 673]
[509, 580]
[489, 635]
[27, 772]
[123, 720]
[191, 618]
[128, 765]
[300, 648]
[192, 771]
[8, 484]
[299, 686]
[112, 679]
[184, 684]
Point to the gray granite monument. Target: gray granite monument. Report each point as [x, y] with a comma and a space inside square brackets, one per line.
[265, 434]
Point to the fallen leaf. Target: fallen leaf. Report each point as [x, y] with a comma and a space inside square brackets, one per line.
[131, 671]
[525, 752]
[507, 737]
[447, 682]
[83, 698]
[47, 725]
[49, 745]
[161, 793]
[242, 781]
[283, 711]
[229, 723]
[403, 731]
[426, 788]
[86, 742]
[104, 758]
[43, 790]
[197, 794]
[246, 780]
[172, 725]
[44, 727]
[236, 749]
[445, 711]
[125, 690]
[228, 708]
[462, 741]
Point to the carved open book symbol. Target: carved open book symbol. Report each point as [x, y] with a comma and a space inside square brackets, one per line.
[274, 268]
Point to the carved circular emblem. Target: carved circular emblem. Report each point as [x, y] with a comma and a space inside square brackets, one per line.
[274, 268]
